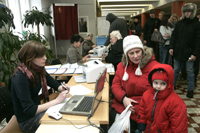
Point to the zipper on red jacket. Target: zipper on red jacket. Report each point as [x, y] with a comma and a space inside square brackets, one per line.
[153, 114]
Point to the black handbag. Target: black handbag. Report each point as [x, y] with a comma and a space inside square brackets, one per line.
[157, 37]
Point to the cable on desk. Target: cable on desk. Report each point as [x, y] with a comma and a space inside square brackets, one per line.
[92, 124]
[76, 126]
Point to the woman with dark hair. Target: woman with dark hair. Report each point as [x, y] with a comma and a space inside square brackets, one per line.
[27, 81]
[166, 32]
[73, 55]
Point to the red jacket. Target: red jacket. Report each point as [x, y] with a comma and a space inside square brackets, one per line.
[135, 86]
[169, 114]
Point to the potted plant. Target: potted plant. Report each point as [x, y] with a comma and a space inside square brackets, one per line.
[9, 44]
[36, 17]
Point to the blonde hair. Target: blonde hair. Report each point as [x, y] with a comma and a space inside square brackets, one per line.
[116, 34]
[176, 16]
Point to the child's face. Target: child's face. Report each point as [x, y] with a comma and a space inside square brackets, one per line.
[159, 84]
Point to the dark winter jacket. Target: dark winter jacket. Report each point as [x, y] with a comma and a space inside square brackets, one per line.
[167, 113]
[137, 27]
[135, 86]
[116, 24]
[115, 52]
[149, 26]
[87, 46]
[185, 39]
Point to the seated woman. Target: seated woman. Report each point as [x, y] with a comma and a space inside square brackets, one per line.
[29, 77]
[73, 55]
[131, 78]
[88, 44]
[115, 49]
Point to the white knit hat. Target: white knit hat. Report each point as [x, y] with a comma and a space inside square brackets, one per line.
[129, 43]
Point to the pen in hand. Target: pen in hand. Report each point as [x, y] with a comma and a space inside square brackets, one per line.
[64, 86]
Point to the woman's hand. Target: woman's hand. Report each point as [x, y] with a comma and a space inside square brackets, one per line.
[166, 35]
[94, 46]
[61, 88]
[127, 101]
[85, 57]
[62, 96]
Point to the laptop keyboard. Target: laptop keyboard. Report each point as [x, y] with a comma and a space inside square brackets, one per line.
[85, 105]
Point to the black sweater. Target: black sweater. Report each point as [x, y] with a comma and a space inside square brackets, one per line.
[25, 97]
[115, 52]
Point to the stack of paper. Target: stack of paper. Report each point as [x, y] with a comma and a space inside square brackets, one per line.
[70, 71]
[52, 69]
[79, 90]
[79, 70]
[60, 70]
[80, 79]
[110, 68]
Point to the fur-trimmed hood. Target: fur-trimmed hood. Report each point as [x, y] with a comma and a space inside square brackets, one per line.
[147, 56]
[189, 6]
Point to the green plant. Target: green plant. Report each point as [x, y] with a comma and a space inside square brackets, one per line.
[6, 17]
[36, 17]
[27, 35]
[9, 44]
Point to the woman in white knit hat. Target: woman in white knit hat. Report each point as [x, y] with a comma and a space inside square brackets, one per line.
[131, 78]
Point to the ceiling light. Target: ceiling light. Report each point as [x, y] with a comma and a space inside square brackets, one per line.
[125, 5]
[64, 4]
[124, 0]
[122, 9]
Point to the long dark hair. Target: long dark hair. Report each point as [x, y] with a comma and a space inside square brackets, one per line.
[164, 20]
[29, 51]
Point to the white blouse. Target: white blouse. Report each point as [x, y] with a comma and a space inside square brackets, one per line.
[163, 31]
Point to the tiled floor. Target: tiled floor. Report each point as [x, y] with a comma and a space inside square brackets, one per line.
[193, 105]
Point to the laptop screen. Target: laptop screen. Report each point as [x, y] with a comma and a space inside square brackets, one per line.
[98, 89]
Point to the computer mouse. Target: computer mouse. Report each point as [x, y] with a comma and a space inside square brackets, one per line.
[55, 115]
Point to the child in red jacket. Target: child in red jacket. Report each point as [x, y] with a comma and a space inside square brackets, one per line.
[161, 109]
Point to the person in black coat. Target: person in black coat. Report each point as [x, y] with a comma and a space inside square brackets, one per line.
[115, 49]
[136, 27]
[116, 24]
[150, 25]
[185, 44]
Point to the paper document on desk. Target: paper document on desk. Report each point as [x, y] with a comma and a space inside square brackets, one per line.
[80, 79]
[57, 107]
[110, 70]
[109, 65]
[60, 71]
[75, 65]
[70, 71]
[79, 90]
[51, 70]
[79, 70]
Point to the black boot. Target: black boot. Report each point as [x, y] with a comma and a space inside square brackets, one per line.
[190, 94]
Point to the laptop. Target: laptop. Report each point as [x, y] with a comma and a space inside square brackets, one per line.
[86, 105]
